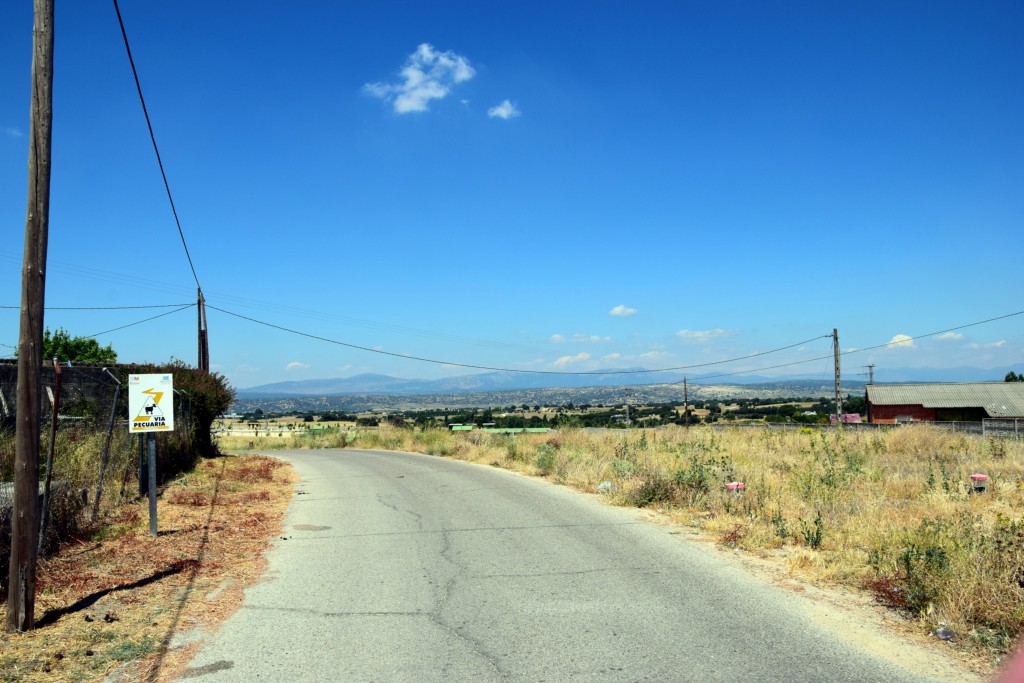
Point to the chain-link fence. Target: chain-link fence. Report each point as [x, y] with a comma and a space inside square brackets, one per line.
[85, 449]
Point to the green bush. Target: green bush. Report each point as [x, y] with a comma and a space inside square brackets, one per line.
[545, 459]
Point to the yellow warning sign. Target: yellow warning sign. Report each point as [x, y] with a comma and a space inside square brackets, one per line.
[150, 403]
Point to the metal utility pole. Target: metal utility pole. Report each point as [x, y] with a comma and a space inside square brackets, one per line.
[21, 584]
[204, 340]
[871, 373]
[839, 400]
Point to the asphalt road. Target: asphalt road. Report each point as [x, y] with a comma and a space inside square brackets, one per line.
[405, 567]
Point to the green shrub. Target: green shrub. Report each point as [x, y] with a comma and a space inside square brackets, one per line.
[545, 459]
[653, 488]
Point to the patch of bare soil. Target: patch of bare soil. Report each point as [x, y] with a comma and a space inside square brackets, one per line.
[122, 605]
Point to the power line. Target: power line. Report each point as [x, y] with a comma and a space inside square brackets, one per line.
[159, 161]
[146, 320]
[770, 367]
[140, 283]
[869, 348]
[499, 369]
[901, 342]
[101, 308]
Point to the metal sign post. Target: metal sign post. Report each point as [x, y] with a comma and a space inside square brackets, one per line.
[150, 410]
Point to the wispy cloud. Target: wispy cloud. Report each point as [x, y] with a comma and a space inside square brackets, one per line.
[622, 310]
[428, 74]
[13, 132]
[902, 341]
[994, 345]
[701, 335]
[297, 365]
[569, 360]
[950, 336]
[506, 110]
[579, 339]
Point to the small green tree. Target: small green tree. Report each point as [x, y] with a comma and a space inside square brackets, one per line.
[1012, 376]
[62, 346]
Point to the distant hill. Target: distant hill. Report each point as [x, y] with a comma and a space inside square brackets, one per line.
[485, 381]
[515, 381]
[597, 395]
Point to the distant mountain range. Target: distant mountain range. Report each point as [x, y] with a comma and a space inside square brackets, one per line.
[514, 381]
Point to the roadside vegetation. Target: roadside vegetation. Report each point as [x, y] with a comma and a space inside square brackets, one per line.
[892, 512]
[117, 602]
[90, 452]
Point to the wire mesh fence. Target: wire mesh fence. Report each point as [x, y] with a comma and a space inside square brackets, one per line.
[86, 450]
[1008, 428]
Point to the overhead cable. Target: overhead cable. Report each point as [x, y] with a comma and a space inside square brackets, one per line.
[159, 161]
[897, 342]
[139, 322]
[902, 342]
[102, 308]
[141, 283]
[499, 369]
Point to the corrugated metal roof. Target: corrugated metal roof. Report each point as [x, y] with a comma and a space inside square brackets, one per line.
[999, 399]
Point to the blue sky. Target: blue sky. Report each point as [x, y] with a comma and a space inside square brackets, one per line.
[548, 186]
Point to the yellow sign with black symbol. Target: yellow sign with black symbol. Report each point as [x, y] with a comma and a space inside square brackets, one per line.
[150, 403]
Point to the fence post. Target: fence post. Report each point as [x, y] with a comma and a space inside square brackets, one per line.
[152, 481]
[106, 447]
[44, 513]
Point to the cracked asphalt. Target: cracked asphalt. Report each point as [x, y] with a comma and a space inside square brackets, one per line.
[400, 567]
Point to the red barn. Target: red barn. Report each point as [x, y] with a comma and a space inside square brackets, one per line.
[966, 402]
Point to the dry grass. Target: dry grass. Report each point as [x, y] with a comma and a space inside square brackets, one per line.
[890, 512]
[121, 600]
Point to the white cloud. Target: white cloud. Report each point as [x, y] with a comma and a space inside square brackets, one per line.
[654, 355]
[612, 356]
[13, 132]
[569, 360]
[902, 340]
[296, 365]
[579, 339]
[506, 110]
[994, 345]
[701, 335]
[947, 336]
[622, 310]
[427, 75]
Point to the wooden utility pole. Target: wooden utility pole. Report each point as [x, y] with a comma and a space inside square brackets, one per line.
[839, 400]
[21, 584]
[204, 340]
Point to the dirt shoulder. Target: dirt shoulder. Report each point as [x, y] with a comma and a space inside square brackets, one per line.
[121, 605]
